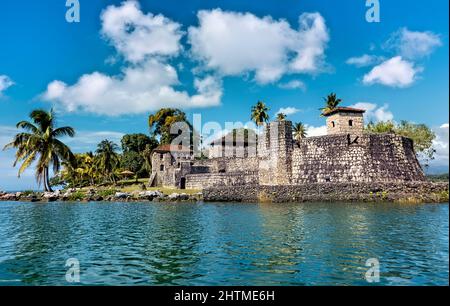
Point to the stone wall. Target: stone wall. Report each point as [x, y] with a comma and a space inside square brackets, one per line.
[206, 180]
[355, 158]
[415, 192]
[339, 123]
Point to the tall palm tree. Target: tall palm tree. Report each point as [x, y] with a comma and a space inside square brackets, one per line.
[40, 143]
[281, 117]
[331, 102]
[259, 113]
[299, 131]
[107, 158]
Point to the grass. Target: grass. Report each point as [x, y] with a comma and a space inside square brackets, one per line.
[131, 186]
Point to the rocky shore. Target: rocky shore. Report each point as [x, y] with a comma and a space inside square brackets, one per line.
[74, 195]
[406, 192]
[410, 192]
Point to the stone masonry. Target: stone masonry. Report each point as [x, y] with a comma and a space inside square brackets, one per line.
[346, 155]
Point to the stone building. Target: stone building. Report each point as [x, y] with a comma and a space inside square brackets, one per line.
[345, 120]
[346, 154]
[237, 143]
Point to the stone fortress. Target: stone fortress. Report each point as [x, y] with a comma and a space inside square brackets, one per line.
[346, 155]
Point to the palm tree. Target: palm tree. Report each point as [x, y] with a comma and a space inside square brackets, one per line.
[331, 102]
[281, 117]
[259, 113]
[299, 131]
[40, 143]
[107, 158]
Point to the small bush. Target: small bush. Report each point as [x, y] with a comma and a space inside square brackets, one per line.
[106, 192]
[76, 196]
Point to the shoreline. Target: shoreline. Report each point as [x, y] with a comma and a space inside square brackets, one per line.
[410, 192]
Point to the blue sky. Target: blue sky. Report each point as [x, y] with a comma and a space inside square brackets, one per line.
[105, 74]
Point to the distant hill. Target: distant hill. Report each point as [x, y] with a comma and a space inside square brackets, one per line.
[438, 177]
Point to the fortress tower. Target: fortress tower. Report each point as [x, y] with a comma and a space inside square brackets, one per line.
[275, 149]
[345, 120]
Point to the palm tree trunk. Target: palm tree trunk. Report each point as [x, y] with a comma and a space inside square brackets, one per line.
[44, 180]
[47, 180]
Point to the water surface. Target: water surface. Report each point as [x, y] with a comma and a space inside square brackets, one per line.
[223, 243]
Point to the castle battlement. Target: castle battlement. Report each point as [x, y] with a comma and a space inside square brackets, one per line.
[347, 154]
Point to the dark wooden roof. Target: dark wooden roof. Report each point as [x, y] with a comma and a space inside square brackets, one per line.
[345, 110]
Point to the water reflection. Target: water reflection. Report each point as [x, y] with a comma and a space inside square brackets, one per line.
[223, 243]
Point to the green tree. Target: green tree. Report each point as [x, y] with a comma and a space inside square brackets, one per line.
[281, 117]
[421, 135]
[381, 127]
[107, 159]
[259, 113]
[299, 131]
[132, 161]
[161, 122]
[331, 102]
[40, 144]
[137, 142]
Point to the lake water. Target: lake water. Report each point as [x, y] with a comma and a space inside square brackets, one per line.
[223, 243]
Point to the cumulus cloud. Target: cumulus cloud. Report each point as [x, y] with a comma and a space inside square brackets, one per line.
[137, 35]
[293, 84]
[413, 44]
[138, 89]
[364, 60]
[440, 144]
[5, 83]
[148, 82]
[315, 130]
[400, 70]
[234, 43]
[375, 113]
[288, 110]
[394, 72]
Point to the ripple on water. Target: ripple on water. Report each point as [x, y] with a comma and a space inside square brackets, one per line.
[223, 243]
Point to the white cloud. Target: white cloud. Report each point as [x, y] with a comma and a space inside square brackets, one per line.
[148, 83]
[316, 131]
[364, 60]
[234, 43]
[440, 144]
[288, 110]
[139, 89]
[413, 44]
[5, 83]
[394, 72]
[293, 84]
[374, 113]
[137, 35]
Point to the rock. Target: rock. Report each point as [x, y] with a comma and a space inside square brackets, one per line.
[51, 196]
[150, 195]
[122, 195]
[178, 197]
[8, 197]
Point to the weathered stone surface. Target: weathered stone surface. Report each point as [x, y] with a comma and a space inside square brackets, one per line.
[351, 192]
[337, 158]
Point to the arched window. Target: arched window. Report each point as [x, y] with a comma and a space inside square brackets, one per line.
[350, 122]
[161, 168]
[333, 124]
